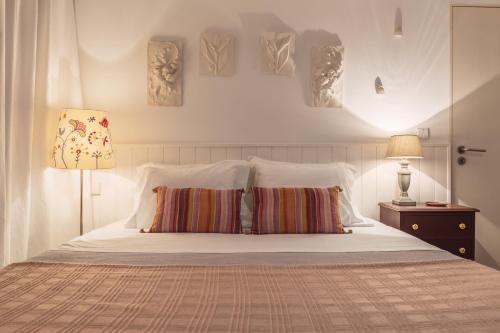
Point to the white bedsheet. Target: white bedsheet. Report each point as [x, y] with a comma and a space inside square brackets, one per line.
[116, 238]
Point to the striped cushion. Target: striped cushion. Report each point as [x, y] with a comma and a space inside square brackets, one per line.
[296, 210]
[197, 210]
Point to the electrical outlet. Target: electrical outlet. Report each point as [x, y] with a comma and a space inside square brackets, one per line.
[423, 133]
[96, 189]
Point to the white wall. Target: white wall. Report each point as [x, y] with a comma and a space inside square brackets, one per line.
[253, 107]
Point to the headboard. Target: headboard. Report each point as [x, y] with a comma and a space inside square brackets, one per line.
[376, 176]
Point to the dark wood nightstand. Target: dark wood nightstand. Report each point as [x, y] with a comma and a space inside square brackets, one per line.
[450, 228]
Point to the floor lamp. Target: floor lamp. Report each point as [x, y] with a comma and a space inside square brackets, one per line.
[83, 142]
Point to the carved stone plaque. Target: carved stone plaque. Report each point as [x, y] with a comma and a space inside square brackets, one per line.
[216, 54]
[327, 68]
[165, 73]
[277, 51]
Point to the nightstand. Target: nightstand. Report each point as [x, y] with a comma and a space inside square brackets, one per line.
[450, 228]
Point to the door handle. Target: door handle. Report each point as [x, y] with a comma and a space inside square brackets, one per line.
[463, 150]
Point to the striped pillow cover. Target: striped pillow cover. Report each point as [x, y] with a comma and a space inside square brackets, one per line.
[197, 210]
[296, 210]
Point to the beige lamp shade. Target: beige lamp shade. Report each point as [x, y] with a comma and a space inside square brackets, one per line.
[404, 147]
[82, 141]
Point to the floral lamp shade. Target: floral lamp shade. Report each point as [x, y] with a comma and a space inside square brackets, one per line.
[83, 141]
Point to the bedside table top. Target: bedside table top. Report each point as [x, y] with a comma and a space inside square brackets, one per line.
[420, 207]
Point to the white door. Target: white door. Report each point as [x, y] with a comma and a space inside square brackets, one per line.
[476, 122]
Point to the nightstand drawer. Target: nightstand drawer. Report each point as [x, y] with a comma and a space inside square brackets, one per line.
[460, 247]
[450, 228]
[439, 225]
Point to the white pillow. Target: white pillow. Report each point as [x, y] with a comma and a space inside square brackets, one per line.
[284, 174]
[221, 175]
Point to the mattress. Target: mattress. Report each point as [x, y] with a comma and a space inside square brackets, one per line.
[116, 238]
[115, 244]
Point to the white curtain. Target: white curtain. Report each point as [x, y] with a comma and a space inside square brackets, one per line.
[32, 32]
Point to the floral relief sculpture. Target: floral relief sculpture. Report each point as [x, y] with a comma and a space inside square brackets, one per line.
[216, 54]
[277, 51]
[165, 73]
[327, 71]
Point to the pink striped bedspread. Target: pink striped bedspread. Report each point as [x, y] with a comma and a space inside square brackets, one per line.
[432, 296]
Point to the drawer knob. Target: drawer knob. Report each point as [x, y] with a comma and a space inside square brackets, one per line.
[462, 226]
[414, 226]
[461, 250]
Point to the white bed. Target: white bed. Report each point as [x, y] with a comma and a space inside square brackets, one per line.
[116, 238]
[118, 279]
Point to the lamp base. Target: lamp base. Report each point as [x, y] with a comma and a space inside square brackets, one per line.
[404, 177]
[404, 202]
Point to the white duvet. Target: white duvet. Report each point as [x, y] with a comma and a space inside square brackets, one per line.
[116, 238]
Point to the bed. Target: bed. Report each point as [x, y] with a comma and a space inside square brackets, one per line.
[376, 279]
[359, 275]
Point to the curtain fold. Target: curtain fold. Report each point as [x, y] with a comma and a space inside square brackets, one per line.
[19, 26]
[3, 146]
[32, 35]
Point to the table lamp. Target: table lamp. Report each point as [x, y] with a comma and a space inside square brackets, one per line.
[83, 142]
[404, 147]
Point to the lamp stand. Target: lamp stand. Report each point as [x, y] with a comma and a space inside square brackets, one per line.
[81, 202]
[404, 177]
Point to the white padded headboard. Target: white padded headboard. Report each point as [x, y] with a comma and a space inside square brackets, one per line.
[376, 178]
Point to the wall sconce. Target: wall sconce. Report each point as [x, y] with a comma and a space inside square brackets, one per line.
[379, 86]
[398, 24]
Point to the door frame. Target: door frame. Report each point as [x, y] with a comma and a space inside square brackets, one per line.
[452, 104]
